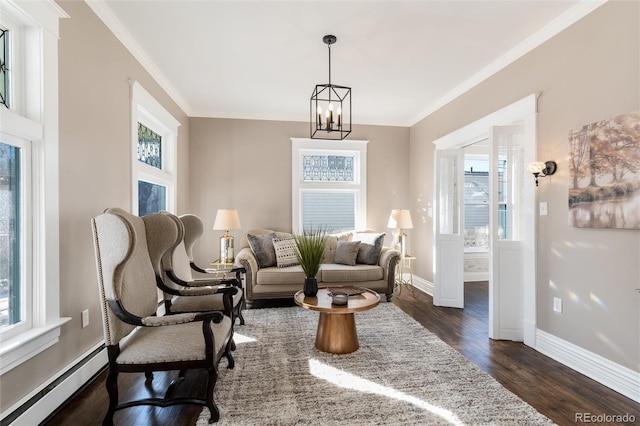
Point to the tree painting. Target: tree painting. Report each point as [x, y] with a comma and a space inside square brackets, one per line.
[604, 166]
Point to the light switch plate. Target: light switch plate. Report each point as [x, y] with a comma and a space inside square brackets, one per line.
[557, 305]
[543, 208]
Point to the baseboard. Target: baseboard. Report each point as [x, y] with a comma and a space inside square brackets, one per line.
[476, 276]
[614, 376]
[34, 408]
[423, 285]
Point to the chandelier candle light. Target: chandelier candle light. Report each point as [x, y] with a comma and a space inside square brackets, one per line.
[335, 102]
[226, 220]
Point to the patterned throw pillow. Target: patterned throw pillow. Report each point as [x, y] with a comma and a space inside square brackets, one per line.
[286, 250]
[346, 252]
[262, 247]
[370, 247]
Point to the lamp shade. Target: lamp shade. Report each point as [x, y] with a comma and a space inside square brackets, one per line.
[400, 219]
[536, 167]
[227, 219]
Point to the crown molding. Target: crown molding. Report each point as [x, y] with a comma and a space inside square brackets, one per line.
[550, 30]
[106, 15]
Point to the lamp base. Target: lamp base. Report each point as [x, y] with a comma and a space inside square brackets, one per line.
[402, 242]
[227, 254]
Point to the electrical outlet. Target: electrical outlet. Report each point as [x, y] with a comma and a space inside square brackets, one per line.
[85, 318]
[557, 305]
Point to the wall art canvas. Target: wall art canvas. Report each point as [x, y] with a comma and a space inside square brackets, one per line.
[604, 167]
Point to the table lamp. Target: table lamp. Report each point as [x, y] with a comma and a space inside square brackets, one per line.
[226, 220]
[401, 219]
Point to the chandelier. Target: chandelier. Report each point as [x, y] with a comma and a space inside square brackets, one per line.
[330, 109]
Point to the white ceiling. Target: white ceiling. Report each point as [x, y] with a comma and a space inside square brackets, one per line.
[262, 59]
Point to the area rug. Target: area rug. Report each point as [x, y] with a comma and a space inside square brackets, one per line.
[401, 375]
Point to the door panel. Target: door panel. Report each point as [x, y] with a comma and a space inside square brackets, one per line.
[448, 232]
[507, 209]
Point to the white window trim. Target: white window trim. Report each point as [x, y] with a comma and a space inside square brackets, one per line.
[34, 118]
[148, 111]
[301, 146]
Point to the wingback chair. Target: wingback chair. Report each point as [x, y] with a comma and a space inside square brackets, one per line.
[164, 239]
[128, 294]
[178, 265]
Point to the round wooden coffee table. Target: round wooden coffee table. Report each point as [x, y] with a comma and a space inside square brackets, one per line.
[337, 325]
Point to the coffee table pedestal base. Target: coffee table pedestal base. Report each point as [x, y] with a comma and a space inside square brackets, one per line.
[337, 333]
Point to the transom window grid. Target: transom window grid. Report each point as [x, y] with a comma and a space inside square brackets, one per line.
[329, 168]
[4, 67]
[149, 146]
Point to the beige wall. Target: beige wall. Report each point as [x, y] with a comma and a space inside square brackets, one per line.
[95, 173]
[587, 73]
[246, 165]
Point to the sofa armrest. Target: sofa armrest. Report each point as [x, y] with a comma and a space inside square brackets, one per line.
[387, 255]
[247, 260]
[389, 259]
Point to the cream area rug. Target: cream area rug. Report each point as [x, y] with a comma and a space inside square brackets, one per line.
[401, 375]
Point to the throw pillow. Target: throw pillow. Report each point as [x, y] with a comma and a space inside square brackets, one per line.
[347, 252]
[286, 250]
[262, 247]
[370, 247]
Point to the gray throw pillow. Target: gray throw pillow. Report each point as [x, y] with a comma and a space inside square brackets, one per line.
[370, 247]
[262, 247]
[347, 252]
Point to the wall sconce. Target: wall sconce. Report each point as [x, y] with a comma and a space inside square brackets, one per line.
[542, 169]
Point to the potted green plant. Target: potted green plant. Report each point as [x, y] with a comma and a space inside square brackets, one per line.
[310, 252]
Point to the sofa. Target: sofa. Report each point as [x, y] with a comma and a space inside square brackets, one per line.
[267, 277]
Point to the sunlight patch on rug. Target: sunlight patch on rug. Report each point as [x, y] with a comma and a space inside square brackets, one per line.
[348, 380]
[241, 338]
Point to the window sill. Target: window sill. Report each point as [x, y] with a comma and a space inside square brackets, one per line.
[20, 348]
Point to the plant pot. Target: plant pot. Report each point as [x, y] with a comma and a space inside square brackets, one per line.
[310, 287]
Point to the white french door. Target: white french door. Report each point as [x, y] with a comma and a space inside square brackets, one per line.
[507, 232]
[449, 229]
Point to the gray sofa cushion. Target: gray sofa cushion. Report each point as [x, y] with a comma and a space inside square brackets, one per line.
[370, 247]
[262, 247]
[335, 273]
[347, 252]
[288, 275]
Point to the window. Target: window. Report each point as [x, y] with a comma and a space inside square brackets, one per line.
[154, 136]
[476, 202]
[29, 226]
[14, 236]
[329, 184]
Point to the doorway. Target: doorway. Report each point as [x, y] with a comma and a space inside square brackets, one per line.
[511, 136]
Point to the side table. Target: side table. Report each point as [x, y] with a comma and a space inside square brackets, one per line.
[220, 269]
[404, 268]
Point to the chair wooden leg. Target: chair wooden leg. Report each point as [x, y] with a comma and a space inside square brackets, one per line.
[239, 312]
[211, 385]
[112, 390]
[227, 354]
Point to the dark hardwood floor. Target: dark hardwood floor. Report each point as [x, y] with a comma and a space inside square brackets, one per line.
[553, 389]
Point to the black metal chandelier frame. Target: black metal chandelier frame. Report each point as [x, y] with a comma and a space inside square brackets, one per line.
[330, 107]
